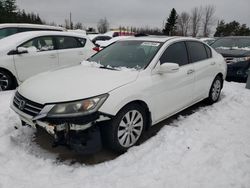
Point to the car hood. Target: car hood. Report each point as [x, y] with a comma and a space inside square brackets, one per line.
[74, 83]
[233, 53]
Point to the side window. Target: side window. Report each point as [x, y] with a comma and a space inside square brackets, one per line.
[7, 32]
[65, 42]
[82, 41]
[209, 52]
[175, 53]
[40, 44]
[196, 51]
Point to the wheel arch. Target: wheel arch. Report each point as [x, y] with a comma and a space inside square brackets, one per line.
[145, 106]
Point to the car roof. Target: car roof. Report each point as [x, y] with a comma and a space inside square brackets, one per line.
[236, 37]
[21, 37]
[160, 38]
[36, 26]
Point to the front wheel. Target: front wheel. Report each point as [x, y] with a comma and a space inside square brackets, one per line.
[126, 128]
[215, 90]
[6, 81]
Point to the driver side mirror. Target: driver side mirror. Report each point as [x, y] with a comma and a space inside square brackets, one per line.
[22, 50]
[168, 68]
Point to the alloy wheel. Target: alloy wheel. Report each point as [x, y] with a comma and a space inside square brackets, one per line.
[4, 82]
[130, 128]
[216, 90]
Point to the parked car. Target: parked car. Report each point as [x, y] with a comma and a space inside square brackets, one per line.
[136, 83]
[236, 51]
[78, 31]
[101, 38]
[13, 28]
[25, 54]
[103, 44]
[207, 40]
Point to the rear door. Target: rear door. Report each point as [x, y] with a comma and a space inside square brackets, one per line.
[204, 66]
[72, 50]
[41, 57]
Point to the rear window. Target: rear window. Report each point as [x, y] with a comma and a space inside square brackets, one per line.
[232, 43]
[65, 42]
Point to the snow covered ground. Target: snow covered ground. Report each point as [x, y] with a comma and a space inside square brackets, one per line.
[209, 148]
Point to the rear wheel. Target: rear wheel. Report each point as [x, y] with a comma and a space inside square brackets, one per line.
[126, 128]
[6, 81]
[215, 90]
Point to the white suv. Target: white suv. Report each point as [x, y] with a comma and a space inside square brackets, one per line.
[26, 54]
[135, 83]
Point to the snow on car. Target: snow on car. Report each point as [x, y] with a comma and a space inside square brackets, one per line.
[209, 148]
[103, 44]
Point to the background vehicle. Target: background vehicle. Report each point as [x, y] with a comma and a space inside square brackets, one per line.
[102, 44]
[137, 83]
[26, 54]
[101, 38]
[207, 40]
[78, 31]
[10, 29]
[236, 51]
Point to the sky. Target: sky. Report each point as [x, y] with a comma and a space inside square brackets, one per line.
[137, 13]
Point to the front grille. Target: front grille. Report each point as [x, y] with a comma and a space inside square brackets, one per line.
[26, 106]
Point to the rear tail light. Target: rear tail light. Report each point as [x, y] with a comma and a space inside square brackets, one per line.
[97, 49]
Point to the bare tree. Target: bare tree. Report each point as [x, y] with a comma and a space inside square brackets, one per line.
[208, 19]
[103, 25]
[78, 25]
[66, 24]
[183, 23]
[196, 15]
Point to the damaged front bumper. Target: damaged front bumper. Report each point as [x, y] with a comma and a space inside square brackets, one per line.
[80, 134]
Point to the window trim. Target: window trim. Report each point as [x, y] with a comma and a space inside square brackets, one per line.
[205, 45]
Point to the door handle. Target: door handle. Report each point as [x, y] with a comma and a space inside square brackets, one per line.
[191, 71]
[212, 63]
[52, 56]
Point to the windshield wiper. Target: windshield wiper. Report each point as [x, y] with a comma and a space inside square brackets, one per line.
[107, 67]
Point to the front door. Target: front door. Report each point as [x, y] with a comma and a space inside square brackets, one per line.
[173, 91]
[41, 57]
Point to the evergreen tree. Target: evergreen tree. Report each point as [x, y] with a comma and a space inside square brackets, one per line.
[10, 6]
[9, 13]
[170, 26]
[231, 29]
[2, 12]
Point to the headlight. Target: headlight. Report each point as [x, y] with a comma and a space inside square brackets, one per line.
[77, 108]
[239, 59]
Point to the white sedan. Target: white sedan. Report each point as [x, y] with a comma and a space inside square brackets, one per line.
[26, 54]
[136, 83]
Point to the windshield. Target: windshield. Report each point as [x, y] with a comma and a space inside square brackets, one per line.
[230, 43]
[7, 32]
[128, 54]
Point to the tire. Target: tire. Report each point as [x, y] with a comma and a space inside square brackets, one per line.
[122, 133]
[215, 90]
[6, 81]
